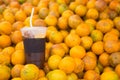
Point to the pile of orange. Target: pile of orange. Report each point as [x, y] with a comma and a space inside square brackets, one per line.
[82, 39]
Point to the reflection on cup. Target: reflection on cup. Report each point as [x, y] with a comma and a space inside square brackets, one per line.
[34, 45]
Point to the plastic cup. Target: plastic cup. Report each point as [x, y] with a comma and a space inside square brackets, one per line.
[34, 45]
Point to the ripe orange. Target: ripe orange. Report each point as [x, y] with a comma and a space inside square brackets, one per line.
[92, 13]
[111, 75]
[72, 40]
[57, 49]
[67, 13]
[107, 69]
[116, 22]
[18, 57]
[16, 37]
[18, 25]
[5, 72]
[19, 46]
[81, 10]
[72, 76]
[4, 59]
[5, 27]
[39, 22]
[67, 64]
[73, 5]
[77, 52]
[83, 29]
[56, 75]
[104, 25]
[20, 15]
[64, 33]
[110, 36]
[111, 46]
[30, 72]
[97, 47]
[91, 54]
[90, 4]
[91, 75]
[96, 35]
[41, 73]
[8, 50]
[5, 41]
[90, 63]
[117, 70]
[74, 21]
[53, 61]
[56, 37]
[43, 12]
[18, 78]
[16, 70]
[50, 20]
[62, 23]
[86, 42]
[104, 59]
[79, 65]
[43, 78]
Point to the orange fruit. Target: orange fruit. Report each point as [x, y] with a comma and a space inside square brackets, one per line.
[117, 70]
[8, 50]
[81, 10]
[18, 57]
[96, 35]
[62, 23]
[14, 4]
[72, 76]
[30, 72]
[18, 78]
[91, 75]
[91, 4]
[67, 13]
[100, 5]
[77, 52]
[4, 59]
[65, 47]
[107, 69]
[97, 47]
[115, 32]
[104, 15]
[74, 21]
[91, 54]
[57, 49]
[83, 29]
[64, 33]
[56, 75]
[116, 22]
[110, 36]
[90, 63]
[43, 12]
[9, 17]
[18, 25]
[86, 42]
[67, 64]
[111, 75]
[20, 15]
[79, 65]
[111, 46]
[104, 59]
[62, 8]
[16, 37]
[73, 5]
[53, 61]
[5, 41]
[5, 27]
[39, 22]
[83, 2]
[104, 25]
[50, 20]
[43, 78]
[56, 37]
[92, 13]
[50, 29]
[91, 22]
[41, 73]
[72, 40]
[16, 70]
[19, 46]
[54, 13]
[5, 72]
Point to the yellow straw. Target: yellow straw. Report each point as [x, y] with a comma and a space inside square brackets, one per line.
[31, 17]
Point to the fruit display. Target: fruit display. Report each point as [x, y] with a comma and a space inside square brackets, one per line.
[82, 39]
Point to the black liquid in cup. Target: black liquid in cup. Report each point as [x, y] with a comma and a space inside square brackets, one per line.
[35, 51]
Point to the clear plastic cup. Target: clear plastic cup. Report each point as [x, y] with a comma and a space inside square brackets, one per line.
[34, 45]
